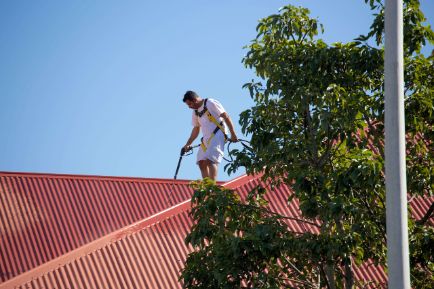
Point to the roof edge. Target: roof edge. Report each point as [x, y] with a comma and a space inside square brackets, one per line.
[241, 180]
[95, 177]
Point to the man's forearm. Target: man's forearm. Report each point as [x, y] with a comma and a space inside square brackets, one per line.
[230, 125]
[194, 133]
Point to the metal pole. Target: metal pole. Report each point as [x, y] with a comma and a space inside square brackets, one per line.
[396, 183]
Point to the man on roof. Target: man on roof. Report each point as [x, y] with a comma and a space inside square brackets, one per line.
[210, 117]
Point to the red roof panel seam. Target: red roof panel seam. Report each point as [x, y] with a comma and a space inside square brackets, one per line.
[123, 201]
[66, 220]
[98, 212]
[72, 205]
[81, 217]
[31, 242]
[12, 225]
[39, 222]
[9, 262]
[56, 211]
[129, 251]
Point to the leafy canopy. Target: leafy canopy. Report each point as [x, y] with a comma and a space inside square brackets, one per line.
[317, 125]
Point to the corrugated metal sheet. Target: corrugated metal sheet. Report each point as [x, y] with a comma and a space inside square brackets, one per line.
[278, 203]
[43, 216]
[419, 207]
[148, 253]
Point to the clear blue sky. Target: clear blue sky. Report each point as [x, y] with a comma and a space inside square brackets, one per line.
[95, 87]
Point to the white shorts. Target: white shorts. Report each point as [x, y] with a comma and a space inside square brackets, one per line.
[214, 151]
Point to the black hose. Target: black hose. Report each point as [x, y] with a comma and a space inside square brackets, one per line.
[243, 143]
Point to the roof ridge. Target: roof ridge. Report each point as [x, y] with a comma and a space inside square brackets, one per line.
[241, 180]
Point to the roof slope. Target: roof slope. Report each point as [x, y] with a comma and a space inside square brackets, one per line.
[150, 252]
[44, 216]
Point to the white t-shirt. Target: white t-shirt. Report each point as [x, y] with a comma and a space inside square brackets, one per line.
[207, 126]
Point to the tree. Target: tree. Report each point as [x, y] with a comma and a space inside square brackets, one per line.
[317, 125]
[245, 245]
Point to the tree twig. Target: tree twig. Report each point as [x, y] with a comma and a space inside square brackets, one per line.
[427, 215]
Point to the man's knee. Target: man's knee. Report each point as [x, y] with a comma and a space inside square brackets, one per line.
[208, 168]
[203, 163]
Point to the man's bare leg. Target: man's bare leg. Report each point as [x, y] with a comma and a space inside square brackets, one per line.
[212, 170]
[208, 169]
[204, 168]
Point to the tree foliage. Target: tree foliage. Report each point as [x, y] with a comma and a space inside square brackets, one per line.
[317, 125]
[245, 245]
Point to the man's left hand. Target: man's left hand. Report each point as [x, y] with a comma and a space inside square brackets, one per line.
[234, 138]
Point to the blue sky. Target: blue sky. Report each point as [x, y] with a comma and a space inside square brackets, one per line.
[95, 87]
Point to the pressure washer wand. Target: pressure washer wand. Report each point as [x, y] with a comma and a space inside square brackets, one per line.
[183, 152]
[179, 163]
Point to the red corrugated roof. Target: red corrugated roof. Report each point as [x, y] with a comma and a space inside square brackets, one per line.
[147, 253]
[278, 203]
[44, 216]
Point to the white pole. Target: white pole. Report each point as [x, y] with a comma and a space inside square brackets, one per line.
[396, 183]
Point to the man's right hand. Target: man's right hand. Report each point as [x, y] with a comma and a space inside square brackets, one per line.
[185, 149]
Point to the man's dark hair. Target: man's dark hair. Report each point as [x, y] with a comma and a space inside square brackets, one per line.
[190, 95]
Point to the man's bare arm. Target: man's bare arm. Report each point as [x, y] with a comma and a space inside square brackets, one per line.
[194, 133]
[230, 125]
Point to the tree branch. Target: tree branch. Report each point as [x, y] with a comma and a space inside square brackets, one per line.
[282, 216]
[292, 34]
[374, 217]
[427, 215]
